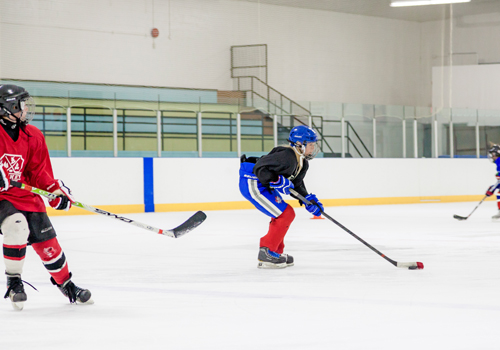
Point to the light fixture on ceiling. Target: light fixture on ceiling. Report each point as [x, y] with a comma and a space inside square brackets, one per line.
[402, 3]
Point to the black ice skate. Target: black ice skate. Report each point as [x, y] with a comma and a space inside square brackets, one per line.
[15, 291]
[73, 292]
[270, 260]
[289, 260]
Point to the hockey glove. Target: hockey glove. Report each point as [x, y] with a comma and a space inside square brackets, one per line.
[315, 207]
[63, 202]
[283, 185]
[4, 180]
[490, 190]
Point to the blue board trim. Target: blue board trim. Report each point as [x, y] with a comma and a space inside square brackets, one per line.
[149, 198]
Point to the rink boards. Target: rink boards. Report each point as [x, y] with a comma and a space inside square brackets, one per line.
[134, 185]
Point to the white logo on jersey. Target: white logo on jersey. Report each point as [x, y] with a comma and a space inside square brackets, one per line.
[13, 165]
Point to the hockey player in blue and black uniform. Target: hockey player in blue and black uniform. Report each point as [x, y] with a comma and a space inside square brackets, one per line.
[494, 156]
[264, 180]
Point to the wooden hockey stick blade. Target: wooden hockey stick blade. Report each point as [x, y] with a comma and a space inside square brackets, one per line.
[458, 217]
[411, 265]
[188, 225]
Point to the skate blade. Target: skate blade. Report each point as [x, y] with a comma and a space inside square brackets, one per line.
[289, 265]
[88, 302]
[268, 265]
[17, 305]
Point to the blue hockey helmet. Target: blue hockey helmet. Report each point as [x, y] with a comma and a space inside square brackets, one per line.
[303, 134]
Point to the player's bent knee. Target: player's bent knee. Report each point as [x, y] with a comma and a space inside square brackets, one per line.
[15, 229]
[288, 214]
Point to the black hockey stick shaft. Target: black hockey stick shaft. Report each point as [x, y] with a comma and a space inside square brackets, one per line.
[466, 217]
[297, 195]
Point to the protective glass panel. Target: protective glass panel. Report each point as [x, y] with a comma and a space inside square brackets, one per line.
[51, 120]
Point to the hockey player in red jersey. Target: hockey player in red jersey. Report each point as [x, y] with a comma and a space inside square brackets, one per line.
[23, 219]
[264, 180]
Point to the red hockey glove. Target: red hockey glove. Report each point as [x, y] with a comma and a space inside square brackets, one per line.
[490, 190]
[4, 180]
[63, 202]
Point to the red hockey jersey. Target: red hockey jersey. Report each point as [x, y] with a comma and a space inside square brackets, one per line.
[26, 160]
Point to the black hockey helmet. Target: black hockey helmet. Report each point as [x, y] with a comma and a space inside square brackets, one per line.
[15, 99]
[494, 151]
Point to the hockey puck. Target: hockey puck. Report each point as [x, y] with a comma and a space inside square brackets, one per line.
[419, 266]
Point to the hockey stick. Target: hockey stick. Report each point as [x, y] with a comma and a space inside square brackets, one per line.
[460, 218]
[188, 225]
[409, 265]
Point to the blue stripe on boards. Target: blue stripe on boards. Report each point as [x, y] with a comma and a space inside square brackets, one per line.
[149, 198]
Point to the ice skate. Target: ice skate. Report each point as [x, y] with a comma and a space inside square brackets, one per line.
[496, 216]
[74, 293]
[15, 291]
[289, 260]
[270, 260]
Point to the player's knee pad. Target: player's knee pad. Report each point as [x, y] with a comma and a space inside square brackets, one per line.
[53, 259]
[49, 250]
[15, 229]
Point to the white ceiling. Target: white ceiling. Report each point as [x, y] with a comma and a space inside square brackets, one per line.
[381, 8]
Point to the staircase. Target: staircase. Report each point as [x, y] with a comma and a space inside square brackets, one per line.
[249, 69]
[269, 102]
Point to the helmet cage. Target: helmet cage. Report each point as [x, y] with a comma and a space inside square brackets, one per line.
[300, 137]
[20, 102]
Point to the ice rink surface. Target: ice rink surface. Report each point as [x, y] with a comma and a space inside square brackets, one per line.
[204, 291]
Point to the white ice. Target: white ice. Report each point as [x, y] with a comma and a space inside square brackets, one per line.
[204, 291]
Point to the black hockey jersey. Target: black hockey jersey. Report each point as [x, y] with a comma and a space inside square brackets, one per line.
[282, 161]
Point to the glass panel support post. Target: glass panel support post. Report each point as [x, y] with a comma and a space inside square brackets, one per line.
[342, 137]
[436, 137]
[115, 132]
[342, 134]
[478, 149]
[200, 146]
[275, 130]
[404, 138]
[159, 132]
[68, 131]
[415, 140]
[238, 134]
[452, 146]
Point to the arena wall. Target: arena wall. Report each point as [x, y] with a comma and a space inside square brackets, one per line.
[187, 184]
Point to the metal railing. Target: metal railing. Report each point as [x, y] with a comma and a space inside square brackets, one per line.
[267, 98]
[88, 129]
